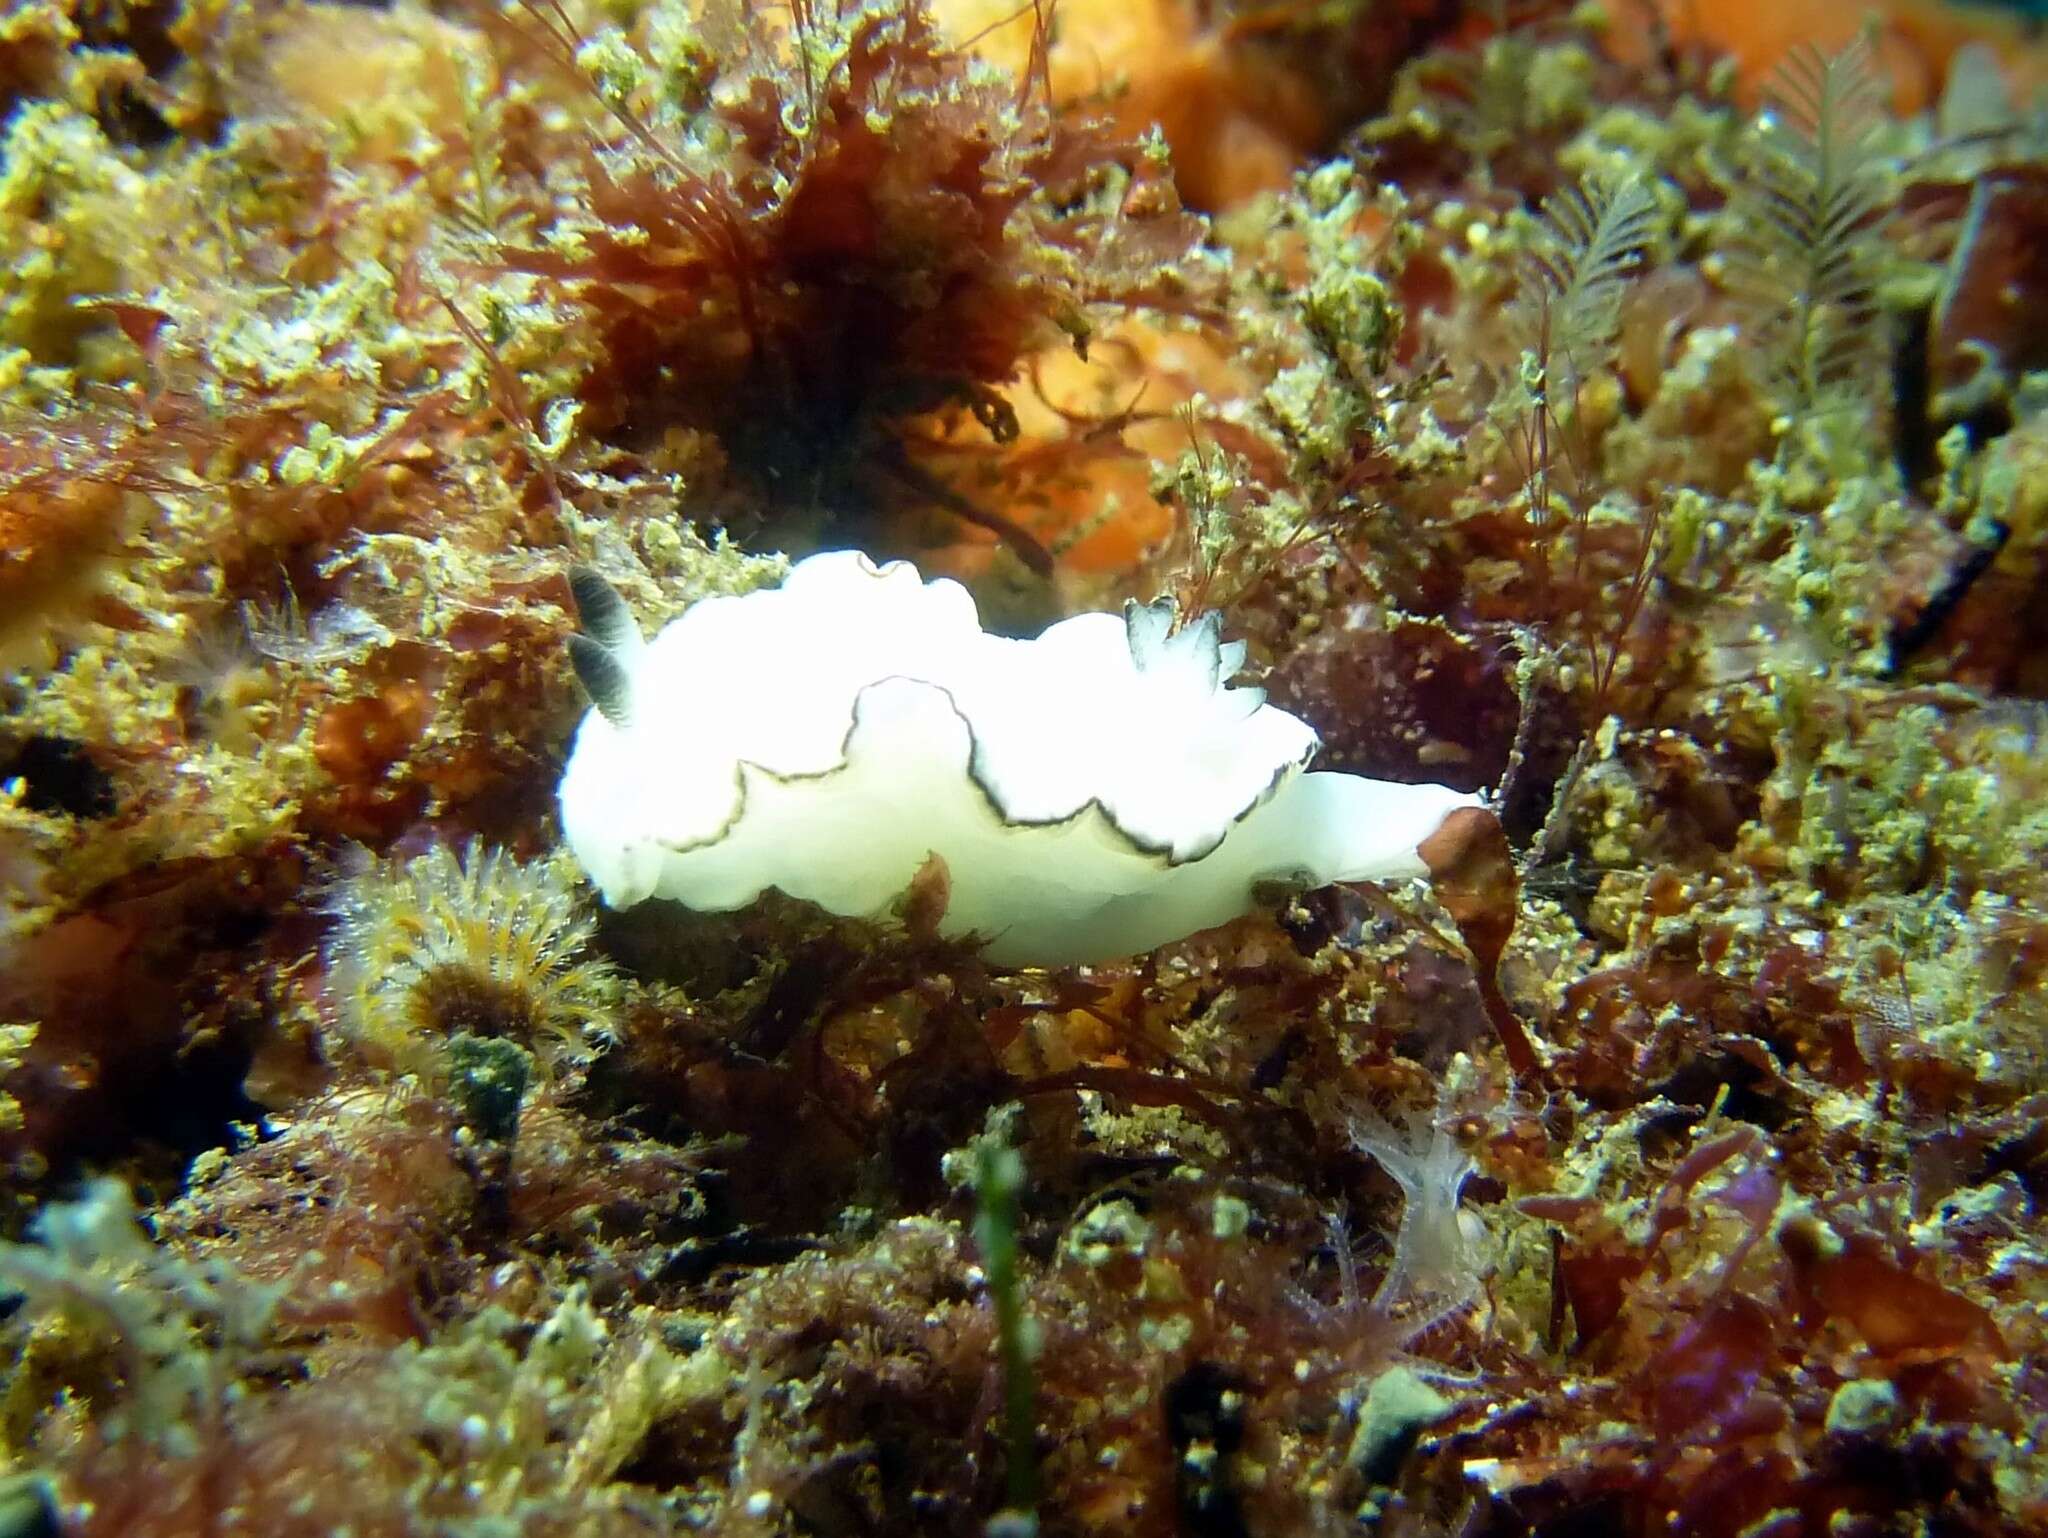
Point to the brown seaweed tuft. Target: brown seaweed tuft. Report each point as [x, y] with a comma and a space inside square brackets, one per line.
[790, 253]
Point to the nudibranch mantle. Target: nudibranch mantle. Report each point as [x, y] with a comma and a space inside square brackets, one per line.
[1092, 793]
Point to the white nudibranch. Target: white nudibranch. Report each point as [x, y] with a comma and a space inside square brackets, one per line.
[1092, 793]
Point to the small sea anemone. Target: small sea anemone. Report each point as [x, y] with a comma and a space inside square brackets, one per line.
[477, 944]
[1434, 1260]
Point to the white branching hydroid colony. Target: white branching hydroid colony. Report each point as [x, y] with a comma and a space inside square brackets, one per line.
[1092, 793]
